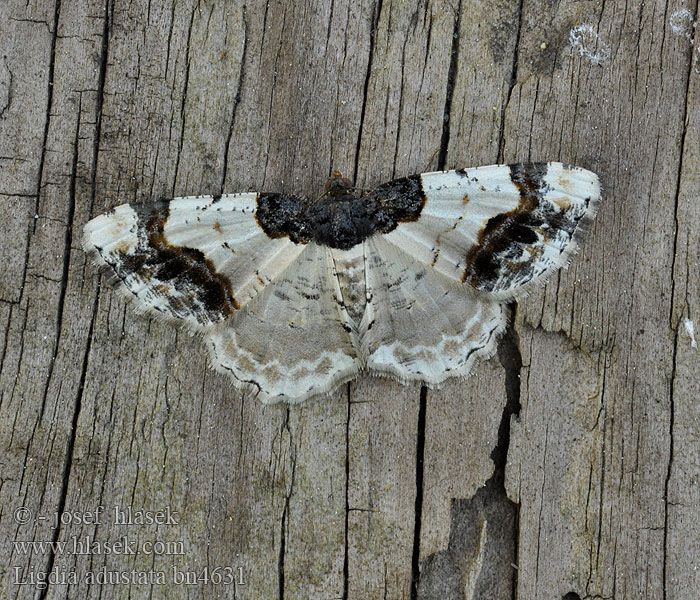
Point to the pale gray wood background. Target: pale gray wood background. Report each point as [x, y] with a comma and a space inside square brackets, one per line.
[566, 467]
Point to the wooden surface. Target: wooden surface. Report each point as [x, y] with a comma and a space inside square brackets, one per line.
[566, 467]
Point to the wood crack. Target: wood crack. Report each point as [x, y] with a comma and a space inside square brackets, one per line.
[372, 40]
[346, 571]
[185, 85]
[511, 85]
[101, 78]
[236, 101]
[67, 243]
[679, 176]
[511, 360]
[449, 94]
[418, 511]
[68, 461]
[669, 468]
[8, 96]
[49, 106]
[284, 522]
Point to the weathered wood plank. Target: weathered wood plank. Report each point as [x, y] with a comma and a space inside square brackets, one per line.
[381, 490]
[595, 428]
[314, 521]
[681, 554]
[51, 128]
[461, 548]
[223, 462]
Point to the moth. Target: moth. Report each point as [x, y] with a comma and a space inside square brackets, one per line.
[294, 296]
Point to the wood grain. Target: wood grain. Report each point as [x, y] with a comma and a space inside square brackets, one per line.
[565, 467]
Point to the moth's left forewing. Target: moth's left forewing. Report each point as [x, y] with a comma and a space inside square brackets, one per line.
[193, 260]
[503, 228]
[225, 229]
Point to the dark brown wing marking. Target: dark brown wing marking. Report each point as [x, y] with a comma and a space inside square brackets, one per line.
[498, 260]
[157, 262]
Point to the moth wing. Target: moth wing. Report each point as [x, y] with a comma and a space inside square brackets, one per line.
[293, 341]
[196, 260]
[418, 324]
[502, 228]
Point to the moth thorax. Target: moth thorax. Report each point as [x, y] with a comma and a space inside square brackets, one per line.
[338, 185]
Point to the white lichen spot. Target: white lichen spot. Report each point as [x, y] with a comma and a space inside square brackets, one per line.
[682, 24]
[586, 41]
[690, 328]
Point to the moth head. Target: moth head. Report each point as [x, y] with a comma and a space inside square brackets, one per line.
[338, 185]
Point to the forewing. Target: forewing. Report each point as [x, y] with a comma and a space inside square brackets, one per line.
[293, 340]
[501, 228]
[197, 260]
[419, 325]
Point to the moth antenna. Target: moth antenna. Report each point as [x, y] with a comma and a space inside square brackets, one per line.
[321, 197]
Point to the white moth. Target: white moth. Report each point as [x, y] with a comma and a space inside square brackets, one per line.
[295, 296]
